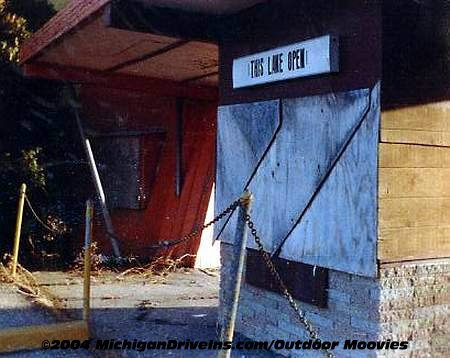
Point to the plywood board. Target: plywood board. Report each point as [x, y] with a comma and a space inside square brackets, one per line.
[339, 231]
[244, 133]
[425, 124]
[314, 130]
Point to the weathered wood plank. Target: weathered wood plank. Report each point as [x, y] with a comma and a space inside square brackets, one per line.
[425, 124]
[413, 243]
[244, 132]
[415, 137]
[339, 231]
[414, 212]
[413, 156]
[414, 183]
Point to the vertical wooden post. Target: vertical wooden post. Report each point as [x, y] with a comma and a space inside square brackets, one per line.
[87, 260]
[179, 146]
[23, 189]
[237, 270]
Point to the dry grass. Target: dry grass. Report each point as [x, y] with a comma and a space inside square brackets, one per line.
[159, 267]
[155, 271]
[27, 285]
[97, 266]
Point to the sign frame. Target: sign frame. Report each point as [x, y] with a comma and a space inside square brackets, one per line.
[315, 56]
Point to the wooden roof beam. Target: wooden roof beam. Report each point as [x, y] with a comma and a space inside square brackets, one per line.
[160, 87]
[146, 56]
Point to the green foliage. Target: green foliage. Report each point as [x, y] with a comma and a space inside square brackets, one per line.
[13, 31]
[35, 170]
[36, 131]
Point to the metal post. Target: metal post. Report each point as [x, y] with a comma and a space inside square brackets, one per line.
[23, 189]
[237, 270]
[87, 260]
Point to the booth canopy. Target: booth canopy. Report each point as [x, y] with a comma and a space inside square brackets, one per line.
[170, 40]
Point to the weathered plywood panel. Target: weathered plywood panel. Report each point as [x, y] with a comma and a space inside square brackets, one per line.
[339, 231]
[244, 132]
[414, 183]
[314, 132]
[424, 124]
[413, 156]
[414, 243]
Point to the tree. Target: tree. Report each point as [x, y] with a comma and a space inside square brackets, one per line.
[35, 137]
[13, 31]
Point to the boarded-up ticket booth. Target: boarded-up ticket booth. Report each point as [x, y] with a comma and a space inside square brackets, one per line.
[338, 111]
[332, 113]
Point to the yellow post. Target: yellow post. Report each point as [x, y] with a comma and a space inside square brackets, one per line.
[23, 189]
[237, 271]
[87, 260]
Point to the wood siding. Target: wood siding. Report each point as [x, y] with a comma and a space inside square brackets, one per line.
[165, 216]
[414, 184]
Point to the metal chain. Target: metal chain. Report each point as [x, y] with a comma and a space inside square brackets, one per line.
[38, 219]
[271, 266]
[195, 232]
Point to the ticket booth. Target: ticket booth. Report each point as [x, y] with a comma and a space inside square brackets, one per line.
[338, 111]
[334, 114]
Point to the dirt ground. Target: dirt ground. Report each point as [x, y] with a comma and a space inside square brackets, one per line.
[181, 306]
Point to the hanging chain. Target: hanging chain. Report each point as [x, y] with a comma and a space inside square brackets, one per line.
[266, 258]
[38, 219]
[197, 231]
[271, 266]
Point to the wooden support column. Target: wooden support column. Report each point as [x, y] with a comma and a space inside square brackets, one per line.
[179, 144]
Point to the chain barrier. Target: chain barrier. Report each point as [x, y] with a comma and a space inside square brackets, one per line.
[38, 219]
[194, 233]
[266, 257]
[267, 261]
[282, 286]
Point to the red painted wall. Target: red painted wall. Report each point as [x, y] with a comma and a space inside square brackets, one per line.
[166, 217]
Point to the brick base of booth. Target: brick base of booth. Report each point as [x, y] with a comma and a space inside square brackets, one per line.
[408, 302]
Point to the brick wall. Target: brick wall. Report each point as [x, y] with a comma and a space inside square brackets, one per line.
[408, 302]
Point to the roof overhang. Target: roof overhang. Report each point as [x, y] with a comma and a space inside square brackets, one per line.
[170, 40]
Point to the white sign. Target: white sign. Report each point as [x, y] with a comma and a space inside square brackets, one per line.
[306, 58]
